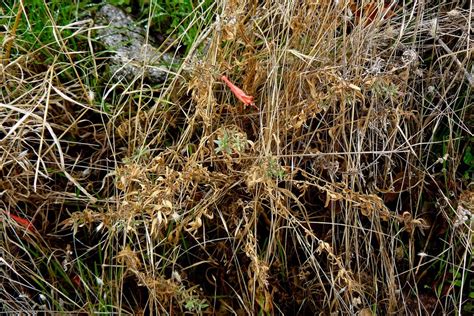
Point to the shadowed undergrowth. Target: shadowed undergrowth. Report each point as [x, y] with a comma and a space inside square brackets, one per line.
[346, 189]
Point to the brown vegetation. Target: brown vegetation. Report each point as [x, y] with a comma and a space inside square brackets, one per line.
[344, 189]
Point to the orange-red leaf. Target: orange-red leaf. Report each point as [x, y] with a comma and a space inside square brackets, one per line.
[241, 95]
[368, 12]
[22, 221]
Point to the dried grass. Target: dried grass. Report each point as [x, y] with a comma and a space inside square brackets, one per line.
[341, 193]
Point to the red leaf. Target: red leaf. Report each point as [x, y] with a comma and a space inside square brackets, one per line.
[21, 221]
[76, 280]
[241, 95]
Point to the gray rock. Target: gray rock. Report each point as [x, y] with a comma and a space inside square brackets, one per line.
[133, 56]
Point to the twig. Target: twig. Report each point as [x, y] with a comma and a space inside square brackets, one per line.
[468, 76]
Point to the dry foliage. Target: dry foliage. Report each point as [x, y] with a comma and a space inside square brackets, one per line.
[341, 192]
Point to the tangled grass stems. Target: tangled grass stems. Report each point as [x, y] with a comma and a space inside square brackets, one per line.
[347, 189]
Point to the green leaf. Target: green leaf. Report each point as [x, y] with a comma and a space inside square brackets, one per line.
[468, 158]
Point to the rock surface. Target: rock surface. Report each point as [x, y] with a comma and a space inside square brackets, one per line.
[133, 56]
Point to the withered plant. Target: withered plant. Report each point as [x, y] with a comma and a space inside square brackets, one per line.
[328, 172]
